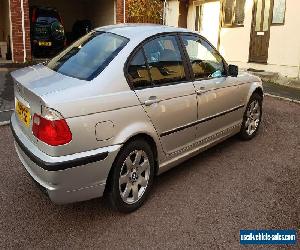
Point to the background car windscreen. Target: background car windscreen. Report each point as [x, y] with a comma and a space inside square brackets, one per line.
[47, 16]
[88, 56]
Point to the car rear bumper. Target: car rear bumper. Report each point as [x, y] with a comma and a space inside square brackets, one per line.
[66, 179]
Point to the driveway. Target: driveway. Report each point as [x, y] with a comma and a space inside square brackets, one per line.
[203, 203]
[282, 91]
[6, 94]
[6, 90]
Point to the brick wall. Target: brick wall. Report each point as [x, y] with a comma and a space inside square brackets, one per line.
[16, 25]
[17, 34]
[120, 11]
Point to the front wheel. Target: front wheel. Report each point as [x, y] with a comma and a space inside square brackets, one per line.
[132, 175]
[252, 117]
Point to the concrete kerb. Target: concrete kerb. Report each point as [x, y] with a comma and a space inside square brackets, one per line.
[282, 98]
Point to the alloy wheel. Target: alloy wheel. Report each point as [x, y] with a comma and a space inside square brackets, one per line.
[134, 176]
[253, 115]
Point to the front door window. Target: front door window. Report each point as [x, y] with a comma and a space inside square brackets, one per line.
[164, 60]
[205, 60]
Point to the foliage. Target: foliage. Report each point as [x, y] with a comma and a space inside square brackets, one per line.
[145, 11]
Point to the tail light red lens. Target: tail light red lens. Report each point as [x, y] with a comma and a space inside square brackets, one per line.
[52, 132]
[34, 17]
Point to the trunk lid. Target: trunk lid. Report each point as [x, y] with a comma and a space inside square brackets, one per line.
[31, 85]
[41, 80]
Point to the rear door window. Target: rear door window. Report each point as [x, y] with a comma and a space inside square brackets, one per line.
[138, 73]
[89, 56]
[164, 60]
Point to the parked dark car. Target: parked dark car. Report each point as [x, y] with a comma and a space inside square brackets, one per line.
[47, 31]
[81, 28]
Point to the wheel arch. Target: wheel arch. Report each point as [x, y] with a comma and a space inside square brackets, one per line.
[259, 91]
[152, 143]
[256, 87]
[150, 140]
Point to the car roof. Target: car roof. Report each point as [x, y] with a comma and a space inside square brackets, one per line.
[132, 31]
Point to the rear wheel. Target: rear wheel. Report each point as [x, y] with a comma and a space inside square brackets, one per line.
[132, 175]
[252, 117]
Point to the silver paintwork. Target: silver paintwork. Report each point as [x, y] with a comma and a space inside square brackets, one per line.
[103, 114]
[74, 184]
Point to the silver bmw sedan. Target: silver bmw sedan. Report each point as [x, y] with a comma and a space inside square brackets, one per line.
[122, 105]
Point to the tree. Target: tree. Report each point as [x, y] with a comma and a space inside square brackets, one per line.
[145, 11]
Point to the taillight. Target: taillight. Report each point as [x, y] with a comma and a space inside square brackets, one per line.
[51, 128]
[34, 16]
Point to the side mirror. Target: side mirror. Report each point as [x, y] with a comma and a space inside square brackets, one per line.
[233, 70]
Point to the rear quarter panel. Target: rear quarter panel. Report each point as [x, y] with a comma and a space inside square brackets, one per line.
[102, 121]
[107, 99]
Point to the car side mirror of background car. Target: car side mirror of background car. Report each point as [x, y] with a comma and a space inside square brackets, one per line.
[233, 70]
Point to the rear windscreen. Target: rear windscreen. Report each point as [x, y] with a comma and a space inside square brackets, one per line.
[88, 56]
[48, 16]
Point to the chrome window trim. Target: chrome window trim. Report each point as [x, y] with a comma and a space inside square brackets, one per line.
[141, 46]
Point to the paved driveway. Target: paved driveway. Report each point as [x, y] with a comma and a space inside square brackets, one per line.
[202, 203]
[6, 90]
[6, 94]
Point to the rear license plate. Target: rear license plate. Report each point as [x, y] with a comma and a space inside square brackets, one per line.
[23, 113]
[45, 43]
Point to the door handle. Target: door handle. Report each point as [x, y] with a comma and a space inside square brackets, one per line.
[151, 100]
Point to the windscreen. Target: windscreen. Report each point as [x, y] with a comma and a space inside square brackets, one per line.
[89, 56]
[48, 16]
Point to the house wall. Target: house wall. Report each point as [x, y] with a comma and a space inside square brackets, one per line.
[284, 47]
[191, 16]
[4, 20]
[120, 10]
[172, 13]
[101, 12]
[1, 19]
[20, 30]
[234, 42]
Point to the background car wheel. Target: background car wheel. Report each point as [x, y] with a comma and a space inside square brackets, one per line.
[131, 178]
[252, 117]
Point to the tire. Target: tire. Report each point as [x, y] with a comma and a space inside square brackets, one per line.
[252, 117]
[129, 192]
